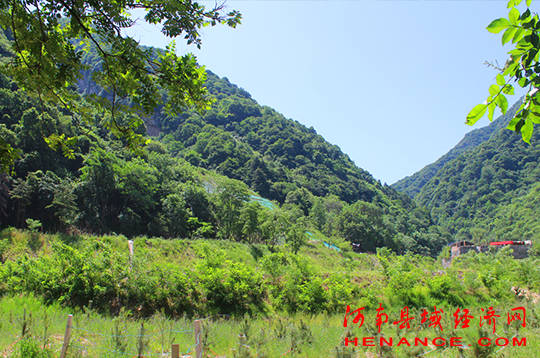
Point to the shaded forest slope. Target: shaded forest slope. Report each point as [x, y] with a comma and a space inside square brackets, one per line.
[486, 188]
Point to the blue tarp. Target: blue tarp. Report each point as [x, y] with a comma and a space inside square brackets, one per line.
[327, 244]
[264, 202]
[331, 246]
[268, 204]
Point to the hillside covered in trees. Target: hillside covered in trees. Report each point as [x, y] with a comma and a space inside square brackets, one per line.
[241, 139]
[197, 176]
[413, 184]
[484, 189]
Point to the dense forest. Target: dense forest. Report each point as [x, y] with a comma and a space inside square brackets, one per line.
[198, 177]
[411, 185]
[484, 189]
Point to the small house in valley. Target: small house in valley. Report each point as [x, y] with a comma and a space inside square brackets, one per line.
[520, 249]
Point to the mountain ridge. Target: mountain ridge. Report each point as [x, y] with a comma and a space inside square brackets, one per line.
[412, 184]
[483, 188]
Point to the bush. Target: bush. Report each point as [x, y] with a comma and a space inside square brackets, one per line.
[29, 348]
[446, 290]
[232, 287]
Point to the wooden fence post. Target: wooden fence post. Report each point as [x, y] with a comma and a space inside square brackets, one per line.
[130, 246]
[67, 336]
[175, 351]
[198, 343]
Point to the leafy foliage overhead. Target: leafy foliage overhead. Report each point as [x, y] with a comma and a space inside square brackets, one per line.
[522, 67]
[50, 38]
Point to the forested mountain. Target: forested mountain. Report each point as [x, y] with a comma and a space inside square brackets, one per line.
[275, 155]
[241, 139]
[489, 190]
[73, 174]
[411, 185]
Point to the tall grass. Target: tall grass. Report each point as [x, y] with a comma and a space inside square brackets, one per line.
[299, 335]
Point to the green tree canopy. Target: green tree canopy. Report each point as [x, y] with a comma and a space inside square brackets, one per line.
[522, 67]
[49, 40]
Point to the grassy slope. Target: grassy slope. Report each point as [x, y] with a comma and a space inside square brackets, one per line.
[392, 280]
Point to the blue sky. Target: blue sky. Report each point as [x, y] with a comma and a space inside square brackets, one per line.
[389, 82]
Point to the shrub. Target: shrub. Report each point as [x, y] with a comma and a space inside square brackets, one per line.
[29, 348]
[232, 287]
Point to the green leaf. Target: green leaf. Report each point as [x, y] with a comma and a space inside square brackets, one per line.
[500, 80]
[508, 34]
[491, 111]
[529, 3]
[498, 25]
[502, 102]
[518, 34]
[522, 81]
[536, 98]
[527, 131]
[494, 89]
[522, 119]
[534, 40]
[513, 123]
[510, 67]
[525, 15]
[517, 52]
[476, 113]
[513, 16]
[508, 89]
[528, 23]
[534, 117]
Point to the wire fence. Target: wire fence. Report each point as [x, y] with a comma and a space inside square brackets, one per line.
[204, 340]
[135, 344]
[216, 336]
[123, 340]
